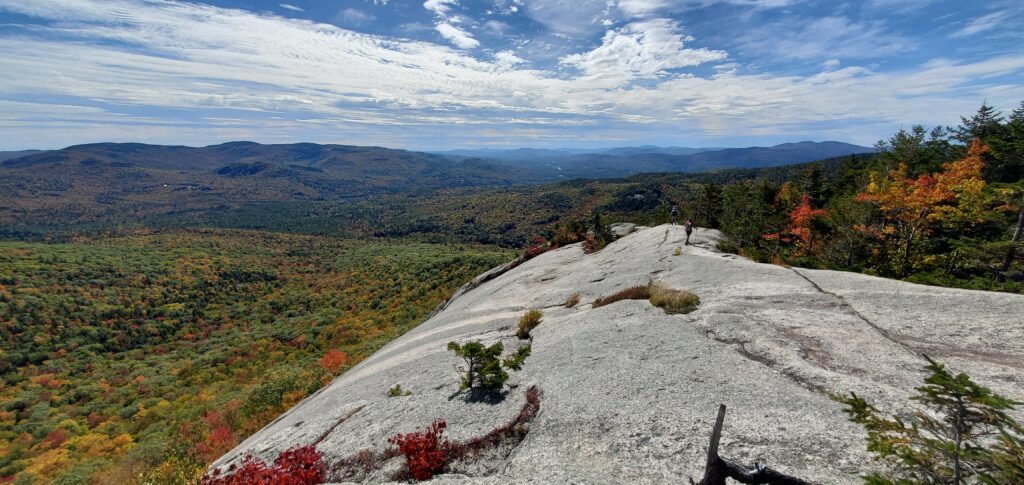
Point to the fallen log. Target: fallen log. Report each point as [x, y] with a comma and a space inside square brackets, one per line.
[717, 468]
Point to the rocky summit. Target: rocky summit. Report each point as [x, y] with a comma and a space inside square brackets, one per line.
[629, 393]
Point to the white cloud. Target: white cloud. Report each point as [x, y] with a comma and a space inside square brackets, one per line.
[291, 7]
[352, 16]
[576, 18]
[445, 20]
[496, 27]
[440, 7]
[507, 59]
[635, 8]
[457, 36]
[980, 24]
[187, 61]
[643, 49]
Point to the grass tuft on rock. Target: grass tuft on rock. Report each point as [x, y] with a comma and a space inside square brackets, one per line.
[528, 322]
[632, 293]
[573, 300]
[673, 301]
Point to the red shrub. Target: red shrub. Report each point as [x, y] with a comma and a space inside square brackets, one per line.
[425, 453]
[540, 246]
[299, 465]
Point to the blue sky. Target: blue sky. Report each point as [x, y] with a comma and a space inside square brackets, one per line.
[502, 73]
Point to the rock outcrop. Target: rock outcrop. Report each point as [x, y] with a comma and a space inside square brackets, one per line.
[630, 393]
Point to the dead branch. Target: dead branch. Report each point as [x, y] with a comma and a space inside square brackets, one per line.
[717, 468]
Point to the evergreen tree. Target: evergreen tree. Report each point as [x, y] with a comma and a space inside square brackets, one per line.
[812, 184]
[964, 436]
[986, 124]
[709, 206]
[1008, 149]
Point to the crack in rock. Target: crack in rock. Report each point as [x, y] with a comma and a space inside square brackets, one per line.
[330, 430]
[881, 331]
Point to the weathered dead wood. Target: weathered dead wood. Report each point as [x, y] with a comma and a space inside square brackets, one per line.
[717, 469]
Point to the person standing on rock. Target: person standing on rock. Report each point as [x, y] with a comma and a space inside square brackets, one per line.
[675, 214]
[689, 230]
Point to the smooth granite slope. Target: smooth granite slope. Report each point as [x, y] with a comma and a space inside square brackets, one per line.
[630, 393]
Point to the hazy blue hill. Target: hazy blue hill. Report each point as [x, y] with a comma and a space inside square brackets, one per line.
[607, 165]
[18, 154]
[127, 180]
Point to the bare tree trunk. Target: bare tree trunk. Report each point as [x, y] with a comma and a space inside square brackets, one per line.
[1011, 253]
[717, 469]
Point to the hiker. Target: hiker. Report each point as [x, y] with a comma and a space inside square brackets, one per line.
[675, 214]
[689, 229]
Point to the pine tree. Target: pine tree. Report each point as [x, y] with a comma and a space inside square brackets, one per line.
[709, 206]
[964, 436]
[984, 125]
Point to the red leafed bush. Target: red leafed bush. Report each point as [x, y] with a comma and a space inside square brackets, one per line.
[425, 452]
[299, 465]
[540, 246]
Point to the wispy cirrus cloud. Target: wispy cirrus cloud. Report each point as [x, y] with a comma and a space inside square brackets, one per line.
[288, 6]
[980, 24]
[823, 38]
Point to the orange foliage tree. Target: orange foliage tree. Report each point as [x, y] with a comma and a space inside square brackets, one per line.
[333, 360]
[914, 207]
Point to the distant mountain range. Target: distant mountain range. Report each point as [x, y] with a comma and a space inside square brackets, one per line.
[531, 154]
[618, 162]
[129, 180]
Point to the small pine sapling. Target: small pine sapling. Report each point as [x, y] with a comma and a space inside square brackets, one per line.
[484, 367]
[966, 436]
[515, 361]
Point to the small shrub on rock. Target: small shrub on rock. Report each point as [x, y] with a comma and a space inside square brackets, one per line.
[300, 465]
[528, 322]
[425, 453]
[397, 391]
[673, 301]
[573, 300]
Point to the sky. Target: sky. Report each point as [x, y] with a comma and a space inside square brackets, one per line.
[444, 74]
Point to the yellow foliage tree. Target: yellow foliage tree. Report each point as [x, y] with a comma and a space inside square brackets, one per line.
[913, 207]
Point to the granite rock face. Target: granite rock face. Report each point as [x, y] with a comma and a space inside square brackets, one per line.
[630, 393]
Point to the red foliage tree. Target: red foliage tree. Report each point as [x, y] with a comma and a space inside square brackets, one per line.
[425, 452]
[800, 220]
